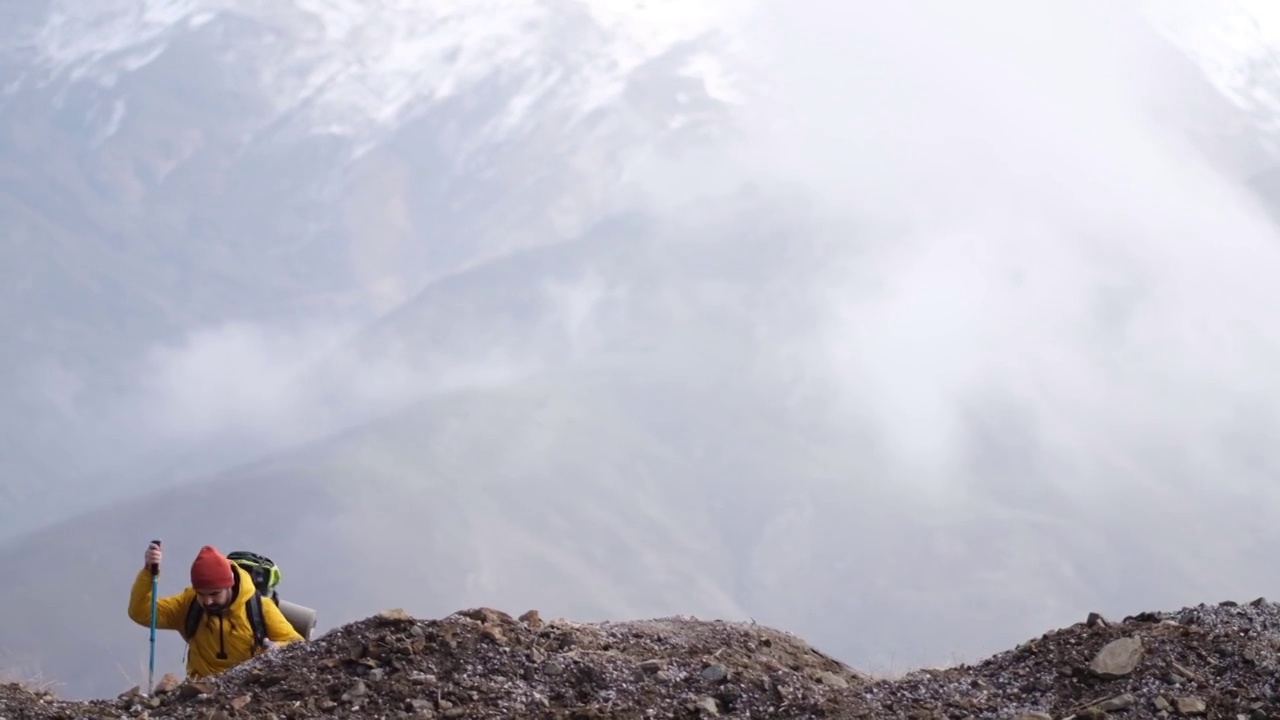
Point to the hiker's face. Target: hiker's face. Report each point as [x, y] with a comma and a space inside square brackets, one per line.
[213, 600]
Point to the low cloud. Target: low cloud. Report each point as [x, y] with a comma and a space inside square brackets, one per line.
[273, 387]
[1055, 246]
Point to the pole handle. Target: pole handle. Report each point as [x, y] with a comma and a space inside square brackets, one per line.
[155, 567]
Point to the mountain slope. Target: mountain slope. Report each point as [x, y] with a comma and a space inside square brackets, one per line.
[193, 164]
[584, 510]
[686, 462]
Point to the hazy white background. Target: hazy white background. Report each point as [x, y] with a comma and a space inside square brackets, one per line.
[912, 328]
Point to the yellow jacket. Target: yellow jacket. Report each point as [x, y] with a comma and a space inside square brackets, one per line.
[230, 631]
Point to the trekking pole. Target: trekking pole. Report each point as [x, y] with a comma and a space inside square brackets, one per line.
[155, 583]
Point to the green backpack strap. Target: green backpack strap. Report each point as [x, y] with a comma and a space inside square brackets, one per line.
[265, 575]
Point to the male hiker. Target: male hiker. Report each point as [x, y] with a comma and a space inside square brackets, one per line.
[217, 615]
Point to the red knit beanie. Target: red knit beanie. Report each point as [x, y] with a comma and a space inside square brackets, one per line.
[211, 570]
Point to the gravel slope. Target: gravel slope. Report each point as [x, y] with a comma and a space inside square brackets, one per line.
[1205, 661]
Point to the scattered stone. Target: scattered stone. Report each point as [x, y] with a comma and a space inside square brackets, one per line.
[1119, 702]
[1118, 658]
[1183, 672]
[1207, 661]
[487, 616]
[195, 688]
[708, 706]
[167, 684]
[357, 690]
[714, 673]
[1191, 705]
[829, 678]
[652, 665]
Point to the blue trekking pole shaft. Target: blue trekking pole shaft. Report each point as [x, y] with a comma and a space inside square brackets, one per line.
[155, 583]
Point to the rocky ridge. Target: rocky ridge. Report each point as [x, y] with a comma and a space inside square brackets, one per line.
[1206, 661]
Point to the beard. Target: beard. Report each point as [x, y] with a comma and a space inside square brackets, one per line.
[216, 608]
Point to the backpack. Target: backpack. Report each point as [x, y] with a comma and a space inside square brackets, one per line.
[265, 577]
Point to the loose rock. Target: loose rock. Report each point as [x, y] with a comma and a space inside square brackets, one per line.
[1191, 705]
[1118, 658]
[1208, 661]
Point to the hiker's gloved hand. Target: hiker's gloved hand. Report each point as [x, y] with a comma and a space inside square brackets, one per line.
[152, 557]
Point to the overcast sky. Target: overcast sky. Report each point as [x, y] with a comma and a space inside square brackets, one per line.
[1014, 280]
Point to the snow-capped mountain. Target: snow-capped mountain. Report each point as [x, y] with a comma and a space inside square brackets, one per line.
[186, 163]
[362, 69]
[1237, 45]
[569, 77]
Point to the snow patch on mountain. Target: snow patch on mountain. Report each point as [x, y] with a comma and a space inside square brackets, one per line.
[647, 28]
[1235, 43]
[360, 67]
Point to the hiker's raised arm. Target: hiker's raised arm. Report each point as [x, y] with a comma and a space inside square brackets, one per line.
[169, 610]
